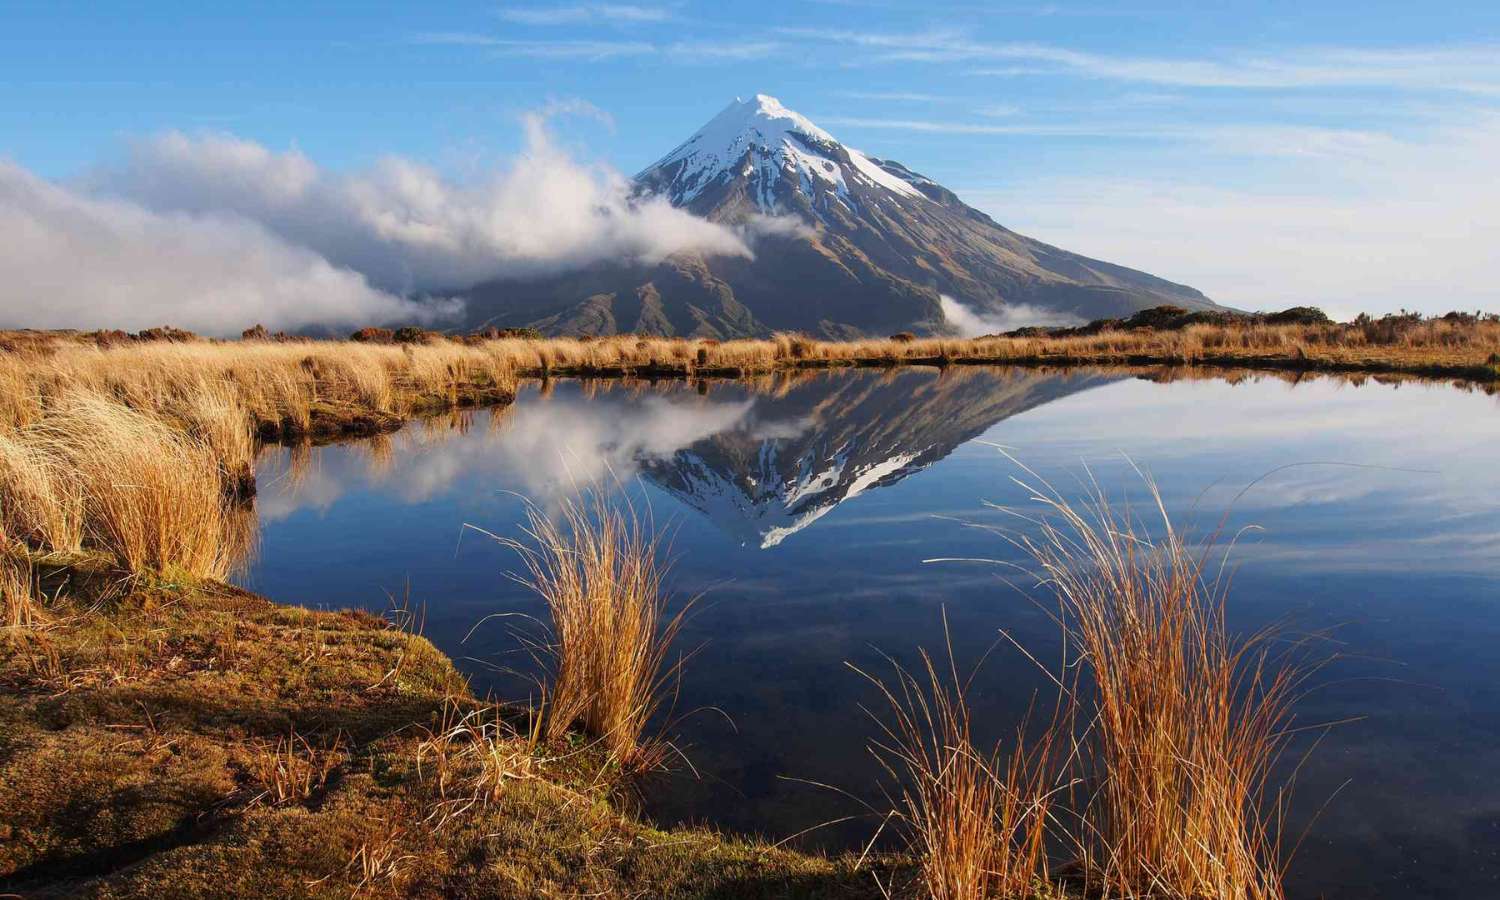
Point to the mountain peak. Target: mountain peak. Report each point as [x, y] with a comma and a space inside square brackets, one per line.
[764, 114]
[777, 153]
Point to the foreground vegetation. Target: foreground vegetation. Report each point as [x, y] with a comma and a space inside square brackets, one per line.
[165, 740]
[166, 737]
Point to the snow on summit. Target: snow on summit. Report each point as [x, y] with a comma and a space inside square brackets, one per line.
[767, 144]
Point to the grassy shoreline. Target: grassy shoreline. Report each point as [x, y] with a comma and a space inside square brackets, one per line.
[165, 739]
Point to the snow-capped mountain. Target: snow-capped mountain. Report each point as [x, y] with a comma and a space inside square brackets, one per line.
[845, 244]
[778, 153]
[822, 442]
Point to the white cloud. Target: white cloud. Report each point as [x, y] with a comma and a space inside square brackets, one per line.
[1461, 68]
[896, 96]
[72, 260]
[619, 13]
[1241, 140]
[216, 233]
[406, 227]
[721, 51]
[1470, 69]
[586, 51]
[549, 450]
[973, 323]
[759, 226]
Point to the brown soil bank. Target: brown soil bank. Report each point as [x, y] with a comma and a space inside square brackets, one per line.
[159, 740]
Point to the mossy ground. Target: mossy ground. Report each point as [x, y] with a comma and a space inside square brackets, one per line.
[136, 725]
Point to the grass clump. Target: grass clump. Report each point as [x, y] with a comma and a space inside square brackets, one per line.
[597, 569]
[291, 769]
[18, 607]
[1185, 721]
[977, 821]
[41, 503]
[153, 496]
[472, 756]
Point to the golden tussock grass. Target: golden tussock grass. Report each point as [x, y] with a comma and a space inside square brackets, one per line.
[152, 496]
[274, 384]
[1170, 723]
[41, 500]
[1186, 720]
[978, 821]
[280, 383]
[18, 606]
[596, 567]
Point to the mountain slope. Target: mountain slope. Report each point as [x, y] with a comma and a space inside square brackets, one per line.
[845, 244]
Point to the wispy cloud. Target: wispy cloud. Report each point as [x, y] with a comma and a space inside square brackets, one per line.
[939, 126]
[896, 96]
[716, 51]
[972, 322]
[1010, 71]
[454, 39]
[1467, 69]
[683, 51]
[620, 13]
[575, 50]
[1458, 68]
[1239, 140]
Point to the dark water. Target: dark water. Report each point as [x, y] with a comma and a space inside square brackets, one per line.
[804, 512]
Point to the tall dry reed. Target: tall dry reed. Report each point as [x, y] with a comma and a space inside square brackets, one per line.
[18, 606]
[153, 496]
[977, 821]
[597, 568]
[41, 500]
[1187, 719]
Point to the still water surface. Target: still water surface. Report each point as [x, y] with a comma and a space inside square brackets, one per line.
[803, 510]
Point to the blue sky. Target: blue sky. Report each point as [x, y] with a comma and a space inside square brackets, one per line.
[1267, 153]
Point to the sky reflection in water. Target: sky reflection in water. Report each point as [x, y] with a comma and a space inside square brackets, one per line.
[804, 510]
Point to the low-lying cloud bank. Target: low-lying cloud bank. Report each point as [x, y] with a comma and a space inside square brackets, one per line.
[972, 323]
[215, 233]
[71, 260]
[405, 226]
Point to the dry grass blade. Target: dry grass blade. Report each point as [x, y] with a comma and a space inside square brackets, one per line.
[292, 770]
[471, 757]
[596, 567]
[978, 822]
[1188, 721]
[18, 606]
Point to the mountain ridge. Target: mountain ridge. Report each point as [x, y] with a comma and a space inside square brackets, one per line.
[846, 245]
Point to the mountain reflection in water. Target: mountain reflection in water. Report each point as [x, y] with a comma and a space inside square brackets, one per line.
[760, 459]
